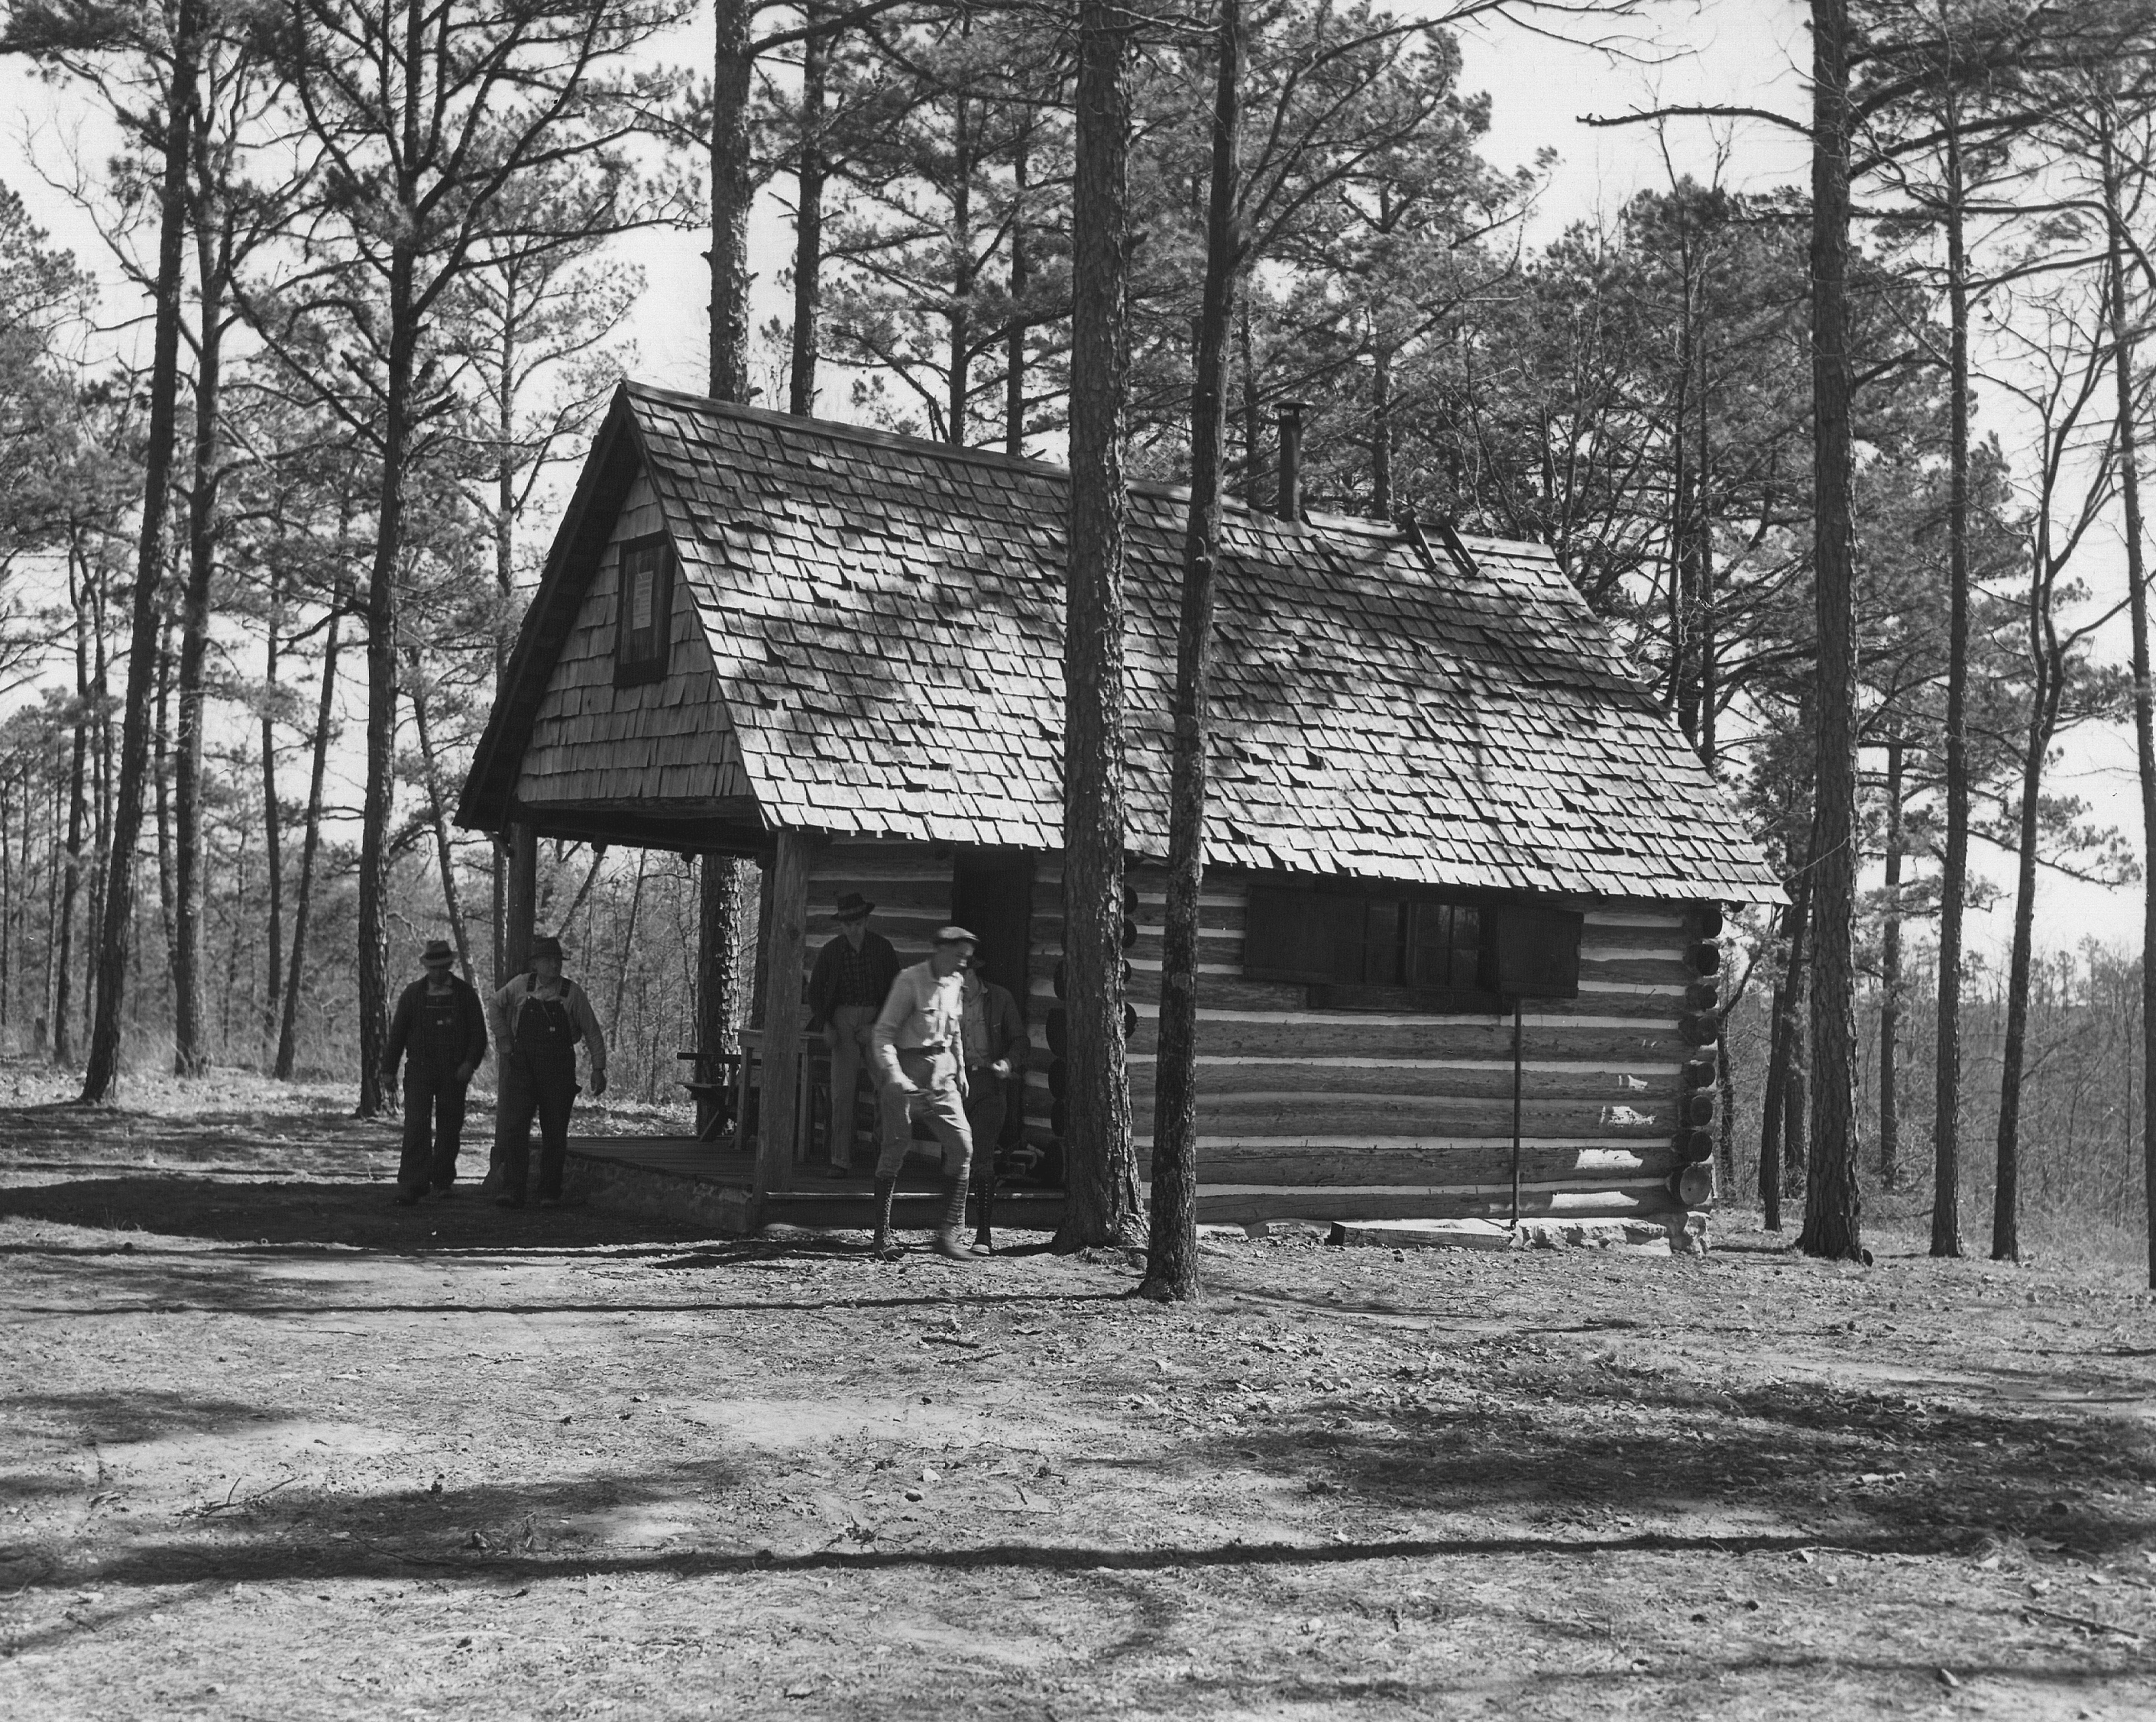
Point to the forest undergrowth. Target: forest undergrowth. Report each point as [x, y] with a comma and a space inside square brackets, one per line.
[274, 1448]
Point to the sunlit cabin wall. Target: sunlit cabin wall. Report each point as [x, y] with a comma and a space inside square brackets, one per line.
[1323, 1113]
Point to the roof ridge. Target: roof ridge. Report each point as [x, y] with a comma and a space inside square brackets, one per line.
[848, 431]
[1366, 524]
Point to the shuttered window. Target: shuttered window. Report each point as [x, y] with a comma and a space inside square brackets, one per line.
[1405, 950]
[644, 618]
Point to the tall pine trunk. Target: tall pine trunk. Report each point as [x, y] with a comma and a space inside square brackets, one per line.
[382, 655]
[503, 406]
[115, 950]
[1172, 1273]
[1101, 1171]
[161, 764]
[733, 190]
[1014, 335]
[273, 839]
[960, 315]
[189, 1056]
[310, 843]
[437, 817]
[1832, 1200]
[1890, 978]
[808, 218]
[2144, 701]
[1780, 1095]
[2043, 725]
[1953, 871]
[78, 809]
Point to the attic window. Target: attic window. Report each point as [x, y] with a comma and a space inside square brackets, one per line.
[643, 628]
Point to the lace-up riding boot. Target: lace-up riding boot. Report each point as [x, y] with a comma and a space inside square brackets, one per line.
[948, 1241]
[882, 1245]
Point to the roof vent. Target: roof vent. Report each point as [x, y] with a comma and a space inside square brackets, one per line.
[1288, 503]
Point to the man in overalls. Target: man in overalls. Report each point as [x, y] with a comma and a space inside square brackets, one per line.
[439, 1032]
[918, 1042]
[539, 1019]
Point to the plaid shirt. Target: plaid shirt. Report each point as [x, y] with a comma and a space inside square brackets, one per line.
[843, 975]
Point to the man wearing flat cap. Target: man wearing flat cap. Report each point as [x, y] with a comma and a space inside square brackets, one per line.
[919, 1039]
[846, 988]
[540, 1018]
[439, 1032]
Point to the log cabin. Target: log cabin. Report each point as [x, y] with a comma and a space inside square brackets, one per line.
[1464, 881]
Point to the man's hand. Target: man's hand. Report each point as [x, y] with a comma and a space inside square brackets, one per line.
[598, 1083]
[463, 1072]
[907, 1086]
[1000, 1068]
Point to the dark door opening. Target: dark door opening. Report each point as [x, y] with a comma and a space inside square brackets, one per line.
[992, 896]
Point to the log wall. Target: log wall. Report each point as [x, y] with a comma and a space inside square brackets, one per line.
[1332, 1115]
[663, 740]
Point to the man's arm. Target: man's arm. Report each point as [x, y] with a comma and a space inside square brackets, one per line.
[883, 1038]
[822, 982]
[1016, 1046]
[888, 966]
[580, 1007]
[497, 1019]
[474, 1029]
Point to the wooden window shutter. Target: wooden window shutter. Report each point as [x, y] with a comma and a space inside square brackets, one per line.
[1534, 951]
[1301, 935]
[643, 612]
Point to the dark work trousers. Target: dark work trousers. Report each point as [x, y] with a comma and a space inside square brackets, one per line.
[434, 1128]
[987, 1099]
[545, 1093]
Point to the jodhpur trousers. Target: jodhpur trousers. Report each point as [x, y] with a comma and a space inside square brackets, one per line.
[936, 1102]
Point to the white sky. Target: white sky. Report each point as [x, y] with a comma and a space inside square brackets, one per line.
[1743, 51]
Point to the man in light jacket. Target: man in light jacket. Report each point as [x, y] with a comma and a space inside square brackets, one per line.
[919, 1045]
[540, 1018]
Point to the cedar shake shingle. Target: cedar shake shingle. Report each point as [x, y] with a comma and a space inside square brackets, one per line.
[885, 621]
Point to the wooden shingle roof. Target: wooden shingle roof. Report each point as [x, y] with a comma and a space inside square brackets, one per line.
[886, 618]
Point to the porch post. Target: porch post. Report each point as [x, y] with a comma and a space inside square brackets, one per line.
[784, 1008]
[522, 910]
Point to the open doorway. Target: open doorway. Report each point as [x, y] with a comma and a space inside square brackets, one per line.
[992, 896]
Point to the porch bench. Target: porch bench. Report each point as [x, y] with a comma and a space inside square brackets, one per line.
[713, 1094]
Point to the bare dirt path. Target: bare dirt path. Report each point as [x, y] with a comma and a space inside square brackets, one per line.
[272, 1448]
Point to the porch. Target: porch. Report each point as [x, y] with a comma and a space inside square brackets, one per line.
[678, 1177]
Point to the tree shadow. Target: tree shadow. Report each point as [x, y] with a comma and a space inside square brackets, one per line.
[348, 1213]
[1858, 1468]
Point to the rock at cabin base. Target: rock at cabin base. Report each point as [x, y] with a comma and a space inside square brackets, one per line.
[1633, 1237]
[1259, 1230]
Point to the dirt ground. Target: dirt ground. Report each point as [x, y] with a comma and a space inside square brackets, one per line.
[273, 1449]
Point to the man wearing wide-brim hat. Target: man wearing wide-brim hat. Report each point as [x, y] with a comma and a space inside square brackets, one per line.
[846, 988]
[919, 1052]
[439, 1032]
[540, 1019]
